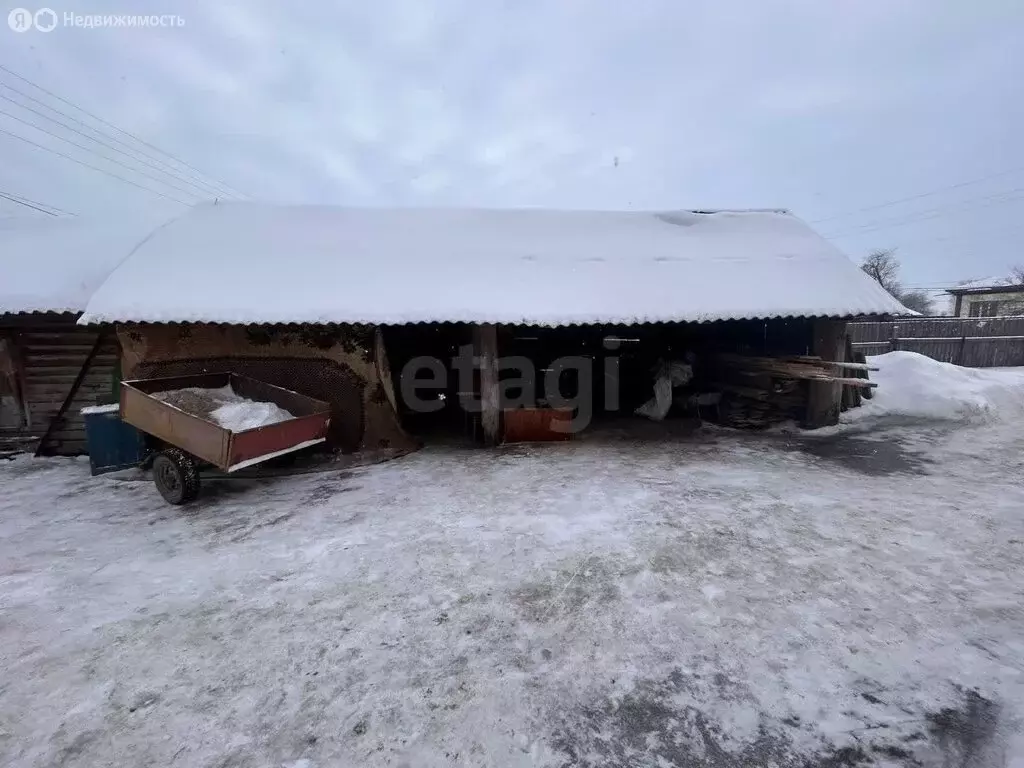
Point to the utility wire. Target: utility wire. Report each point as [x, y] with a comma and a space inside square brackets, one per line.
[132, 136]
[173, 172]
[961, 236]
[109, 159]
[931, 213]
[27, 205]
[23, 199]
[918, 196]
[95, 168]
[201, 190]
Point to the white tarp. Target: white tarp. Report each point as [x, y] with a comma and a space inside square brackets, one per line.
[668, 375]
[259, 263]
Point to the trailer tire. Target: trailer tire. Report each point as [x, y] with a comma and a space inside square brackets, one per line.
[176, 476]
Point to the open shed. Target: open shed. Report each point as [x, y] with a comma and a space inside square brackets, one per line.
[500, 282]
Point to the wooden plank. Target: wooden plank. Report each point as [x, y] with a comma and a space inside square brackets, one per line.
[853, 382]
[71, 393]
[852, 366]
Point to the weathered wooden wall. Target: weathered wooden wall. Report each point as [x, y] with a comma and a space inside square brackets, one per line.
[977, 342]
[52, 350]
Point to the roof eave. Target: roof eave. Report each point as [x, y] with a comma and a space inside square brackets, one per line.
[1000, 289]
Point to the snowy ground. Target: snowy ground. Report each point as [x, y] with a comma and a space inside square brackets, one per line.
[716, 599]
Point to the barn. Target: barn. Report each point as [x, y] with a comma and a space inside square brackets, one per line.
[481, 323]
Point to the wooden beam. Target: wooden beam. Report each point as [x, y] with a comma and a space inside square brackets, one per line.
[73, 391]
[485, 343]
[853, 382]
[854, 366]
[824, 398]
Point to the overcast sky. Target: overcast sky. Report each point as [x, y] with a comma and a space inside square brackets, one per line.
[824, 107]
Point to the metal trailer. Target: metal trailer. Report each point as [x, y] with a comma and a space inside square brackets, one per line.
[181, 442]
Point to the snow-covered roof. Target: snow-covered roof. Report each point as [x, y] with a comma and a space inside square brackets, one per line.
[986, 284]
[55, 264]
[260, 263]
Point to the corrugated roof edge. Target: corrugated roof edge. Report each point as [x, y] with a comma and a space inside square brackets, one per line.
[55, 311]
[299, 323]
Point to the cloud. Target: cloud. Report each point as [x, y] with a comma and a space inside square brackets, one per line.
[819, 107]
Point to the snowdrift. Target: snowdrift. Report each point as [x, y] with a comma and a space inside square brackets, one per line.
[910, 384]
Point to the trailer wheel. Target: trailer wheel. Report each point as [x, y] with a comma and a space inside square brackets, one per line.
[176, 476]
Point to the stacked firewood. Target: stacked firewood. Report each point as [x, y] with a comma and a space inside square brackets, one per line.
[761, 391]
[759, 403]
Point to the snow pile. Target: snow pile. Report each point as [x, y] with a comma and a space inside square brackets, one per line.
[987, 283]
[910, 384]
[225, 407]
[109, 408]
[249, 414]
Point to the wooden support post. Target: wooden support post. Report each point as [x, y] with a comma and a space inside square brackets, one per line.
[485, 345]
[824, 398]
[12, 370]
[851, 394]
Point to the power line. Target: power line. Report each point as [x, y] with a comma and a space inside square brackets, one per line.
[94, 167]
[132, 136]
[163, 163]
[98, 154]
[961, 236]
[929, 214]
[27, 205]
[22, 199]
[918, 196]
[173, 173]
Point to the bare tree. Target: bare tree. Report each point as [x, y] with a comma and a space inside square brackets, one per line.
[884, 268]
[919, 301]
[1017, 274]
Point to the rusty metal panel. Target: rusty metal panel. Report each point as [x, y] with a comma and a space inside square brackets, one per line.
[311, 423]
[274, 438]
[528, 425]
[201, 438]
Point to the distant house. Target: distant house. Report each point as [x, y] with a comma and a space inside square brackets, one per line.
[991, 297]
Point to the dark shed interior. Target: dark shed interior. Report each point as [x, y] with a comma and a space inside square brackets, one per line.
[608, 369]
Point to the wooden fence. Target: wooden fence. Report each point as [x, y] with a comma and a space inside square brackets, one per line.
[980, 342]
